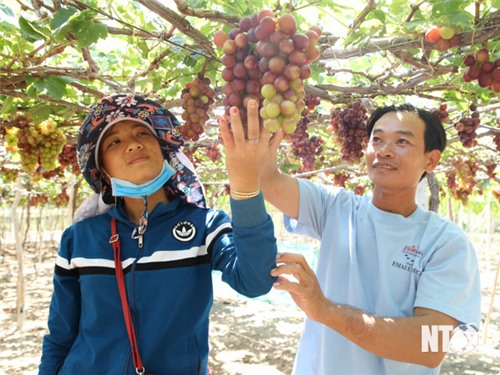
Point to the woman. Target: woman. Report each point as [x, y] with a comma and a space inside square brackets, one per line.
[129, 153]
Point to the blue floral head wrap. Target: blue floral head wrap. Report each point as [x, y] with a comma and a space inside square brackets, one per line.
[119, 107]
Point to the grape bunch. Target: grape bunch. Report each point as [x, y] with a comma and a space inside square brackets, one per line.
[213, 152]
[348, 126]
[461, 180]
[38, 199]
[267, 59]
[38, 145]
[339, 179]
[61, 199]
[490, 169]
[197, 97]
[312, 101]
[480, 68]
[40, 172]
[467, 126]
[443, 37]
[68, 158]
[303, 146]
[306, 148]
[442, 113]
[9, 175]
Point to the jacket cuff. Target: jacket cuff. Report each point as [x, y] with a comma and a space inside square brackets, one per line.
[249, 212]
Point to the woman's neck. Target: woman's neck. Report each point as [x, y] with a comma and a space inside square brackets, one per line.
[135, 207]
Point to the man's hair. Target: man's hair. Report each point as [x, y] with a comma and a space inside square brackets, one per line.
[434, 134]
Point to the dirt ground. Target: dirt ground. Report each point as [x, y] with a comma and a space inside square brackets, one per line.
[246, 336]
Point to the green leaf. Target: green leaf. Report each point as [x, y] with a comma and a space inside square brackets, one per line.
[40, 112]
[56, 86]
[377, 14]
[6, 105]
[28, 30]
[89, 32]
[62, 16]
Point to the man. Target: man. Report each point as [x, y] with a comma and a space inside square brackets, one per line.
[387, 270]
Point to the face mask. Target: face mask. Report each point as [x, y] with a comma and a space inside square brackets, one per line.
[122, 188]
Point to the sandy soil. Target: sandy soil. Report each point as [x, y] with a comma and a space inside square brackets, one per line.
[247, 336]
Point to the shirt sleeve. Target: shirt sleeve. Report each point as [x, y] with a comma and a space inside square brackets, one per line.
[315, 201]
[450, 281]
[64, 312]
[245, 255]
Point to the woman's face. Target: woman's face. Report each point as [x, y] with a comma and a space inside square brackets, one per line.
[129, 151]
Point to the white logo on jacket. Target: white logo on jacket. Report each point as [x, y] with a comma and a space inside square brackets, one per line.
[184, 231]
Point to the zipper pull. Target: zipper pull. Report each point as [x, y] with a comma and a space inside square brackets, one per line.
[140, 241]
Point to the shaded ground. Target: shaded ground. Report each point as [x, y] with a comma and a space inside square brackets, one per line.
[247, 336]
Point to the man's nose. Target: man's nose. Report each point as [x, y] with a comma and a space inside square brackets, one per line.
[385, 150]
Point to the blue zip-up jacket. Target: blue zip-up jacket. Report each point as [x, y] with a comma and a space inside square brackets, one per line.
[168, 282]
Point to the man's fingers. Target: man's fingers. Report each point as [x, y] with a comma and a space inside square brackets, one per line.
[291, 258]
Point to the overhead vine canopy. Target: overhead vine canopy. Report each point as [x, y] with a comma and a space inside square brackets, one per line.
[59, 57]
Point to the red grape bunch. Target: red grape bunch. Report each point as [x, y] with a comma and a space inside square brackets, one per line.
[38, 199]
[339, 179]
[197, 97]
[348, 126]
[461, 180]
[266, 58]
[467, 126]
[67, 158]
[443, 37]
[486, 72]
[62, 199]
[442, 113]
[213, 152]
[303, 146]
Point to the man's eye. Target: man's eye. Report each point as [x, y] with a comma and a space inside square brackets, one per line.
[404, 141]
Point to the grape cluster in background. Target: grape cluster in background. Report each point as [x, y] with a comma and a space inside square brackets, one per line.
[348, 128]
[68, 159]
[443, 37]
[467, 125]
[38, 144]
[480, 68]
[307, 148]
[267, 59]
[197, 97]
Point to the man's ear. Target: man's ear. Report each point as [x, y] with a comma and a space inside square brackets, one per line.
[433, 160]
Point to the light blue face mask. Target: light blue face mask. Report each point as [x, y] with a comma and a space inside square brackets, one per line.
[123, 188]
